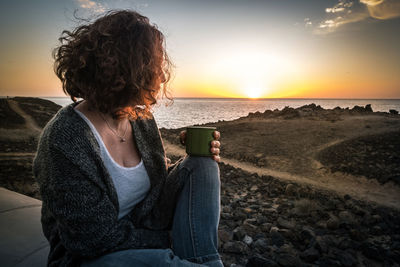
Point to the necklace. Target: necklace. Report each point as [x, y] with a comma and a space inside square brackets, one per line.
[122, 138]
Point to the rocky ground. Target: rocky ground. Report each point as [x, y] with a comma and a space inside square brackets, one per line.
[374, 156]
[265, 220]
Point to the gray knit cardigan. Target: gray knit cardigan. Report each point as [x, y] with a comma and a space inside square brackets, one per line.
[80, 205]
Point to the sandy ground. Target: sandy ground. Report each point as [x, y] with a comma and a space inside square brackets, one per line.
[289, 149]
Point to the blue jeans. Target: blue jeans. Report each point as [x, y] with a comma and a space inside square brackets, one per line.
[195, 224]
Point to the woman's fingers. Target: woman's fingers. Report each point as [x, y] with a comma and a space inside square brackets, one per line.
[216, 135]
[215, 151]
[215, 144]
[217, 158]
[182, 137]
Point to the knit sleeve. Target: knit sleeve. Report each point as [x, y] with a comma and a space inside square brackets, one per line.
[86, 219]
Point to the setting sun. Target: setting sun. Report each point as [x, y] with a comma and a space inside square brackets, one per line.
[253, 92]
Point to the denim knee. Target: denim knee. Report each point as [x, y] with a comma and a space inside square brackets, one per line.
[202, 167]
[200, 164]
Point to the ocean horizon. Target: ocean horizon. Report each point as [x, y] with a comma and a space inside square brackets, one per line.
[192, 111]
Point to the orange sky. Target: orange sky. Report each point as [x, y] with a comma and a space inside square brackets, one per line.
[290, 49]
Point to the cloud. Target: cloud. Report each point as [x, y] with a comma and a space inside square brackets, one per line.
[372, 2]
[334, 9]
[91, 5]
[308, 22]
[351, 11]
[380, 9]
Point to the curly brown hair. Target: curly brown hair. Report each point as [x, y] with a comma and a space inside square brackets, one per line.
[115, 63]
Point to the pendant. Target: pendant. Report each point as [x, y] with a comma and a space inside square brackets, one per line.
[123, 140]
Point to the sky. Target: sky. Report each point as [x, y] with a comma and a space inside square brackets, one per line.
[226, 48]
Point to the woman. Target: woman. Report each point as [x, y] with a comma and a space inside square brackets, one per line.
[109, 196]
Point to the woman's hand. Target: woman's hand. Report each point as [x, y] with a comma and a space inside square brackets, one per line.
[215, 144]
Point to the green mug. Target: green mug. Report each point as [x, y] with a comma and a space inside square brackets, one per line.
[198, 140]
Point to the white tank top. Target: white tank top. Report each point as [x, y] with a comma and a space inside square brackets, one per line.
[131, 183]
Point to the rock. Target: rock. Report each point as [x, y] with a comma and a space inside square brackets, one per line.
[226, 209]
[247, 240]
[368, 108]
[346, 258]
[225, 235]
[258, 155]
[262, 162]
[325, 261]
[358, 235]
[376, 230]
[248, 210]
[239, 215]
[276, 239]
[291, 190]
[250, 228]
[261, 244]
[285, 259]
[226, 216]
[254, 188]
[239, 233]
[372, 251]
[321, 224]
[250, 221]
[266, 227]
[261, 220]
[347, 197]
[393, 111]
[376, 218]
[235, 247]
[288, 234]
[260, 262]
[347, 243]
[359, 109]
[333, 223]
[310, 255]
[322, 243]
[307, 235]
[274, 229]
[289, 113]
[346, 217]
[285, 223]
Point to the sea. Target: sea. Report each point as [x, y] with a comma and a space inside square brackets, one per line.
[193, 111]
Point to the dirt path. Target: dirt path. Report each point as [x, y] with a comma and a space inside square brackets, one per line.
[357, 187]
[30, 122]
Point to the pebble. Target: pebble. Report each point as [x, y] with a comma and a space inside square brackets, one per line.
[247, 240]
[235, 247]
[288, 260]
[310, 255]
[254, 188]
[291, 190]
[276, 239]
[346, 217]
[285, 223]
[261, 244]
[239, 233]
[225, 235]
[332, 223]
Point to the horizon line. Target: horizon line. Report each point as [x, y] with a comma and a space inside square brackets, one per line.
[236, 98]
